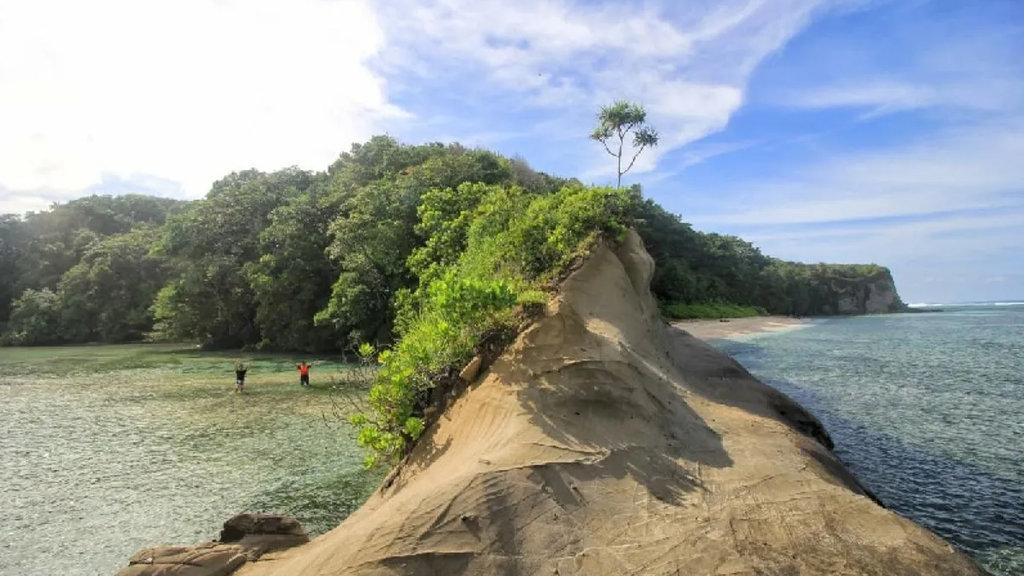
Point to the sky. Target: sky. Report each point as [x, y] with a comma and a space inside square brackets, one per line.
[848, 131]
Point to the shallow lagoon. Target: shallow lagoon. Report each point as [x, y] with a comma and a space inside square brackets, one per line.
[110, 449]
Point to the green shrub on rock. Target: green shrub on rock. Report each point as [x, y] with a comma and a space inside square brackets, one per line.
[490, 252]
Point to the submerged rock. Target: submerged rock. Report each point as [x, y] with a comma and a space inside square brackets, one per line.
[244, 538]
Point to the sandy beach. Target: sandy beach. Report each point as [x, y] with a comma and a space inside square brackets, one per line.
[715, 329]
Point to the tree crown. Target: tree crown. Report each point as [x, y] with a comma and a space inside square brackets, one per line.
[617, 120]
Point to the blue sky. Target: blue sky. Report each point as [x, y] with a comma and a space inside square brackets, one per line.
[842, 131]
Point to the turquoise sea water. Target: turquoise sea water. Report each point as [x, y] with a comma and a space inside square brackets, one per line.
[926, 409]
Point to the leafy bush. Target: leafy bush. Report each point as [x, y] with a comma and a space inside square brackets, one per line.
[490, 250]
[35, 319]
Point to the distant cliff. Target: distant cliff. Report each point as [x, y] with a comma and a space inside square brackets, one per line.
[861, 294]
[696, 267]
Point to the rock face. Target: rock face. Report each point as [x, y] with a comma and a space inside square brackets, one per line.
[284, 530]
[874, 294]
[605, 442]
[244, 538]
[209, 559]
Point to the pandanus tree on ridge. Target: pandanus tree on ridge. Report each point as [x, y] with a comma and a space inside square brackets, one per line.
[615, 122]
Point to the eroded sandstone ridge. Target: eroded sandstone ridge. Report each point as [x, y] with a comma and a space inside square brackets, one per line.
[606, 442]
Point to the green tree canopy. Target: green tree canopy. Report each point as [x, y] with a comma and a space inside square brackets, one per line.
[35, 319]
[106, 296]
[376, 231]
[208, 297]
[315, 261]
[291, 280]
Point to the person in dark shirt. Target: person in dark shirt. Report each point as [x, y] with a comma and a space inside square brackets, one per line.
[240, 370]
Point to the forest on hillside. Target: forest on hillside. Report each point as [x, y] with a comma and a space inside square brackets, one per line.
[320, 261]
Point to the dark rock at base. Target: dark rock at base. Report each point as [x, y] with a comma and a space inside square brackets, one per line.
[245, 524]
[244, 538]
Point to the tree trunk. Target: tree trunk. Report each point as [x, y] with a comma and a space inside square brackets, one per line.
[618, 183]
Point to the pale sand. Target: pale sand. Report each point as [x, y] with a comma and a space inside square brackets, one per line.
[733, 327]
[605, 443]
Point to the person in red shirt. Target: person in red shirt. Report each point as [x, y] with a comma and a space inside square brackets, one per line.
[304, 374]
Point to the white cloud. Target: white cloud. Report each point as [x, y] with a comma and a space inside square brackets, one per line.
[191, 90]
[17, 203]
[688, 63]
[899, 238]
[948, 206]
[911, 61]
[702, 152]
[880, 96]
[960, 169]
[186, 91]
[943, 258]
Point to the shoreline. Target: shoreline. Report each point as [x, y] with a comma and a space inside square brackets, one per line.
[715, 329]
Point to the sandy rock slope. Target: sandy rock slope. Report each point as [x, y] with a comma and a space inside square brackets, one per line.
[605, 442]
